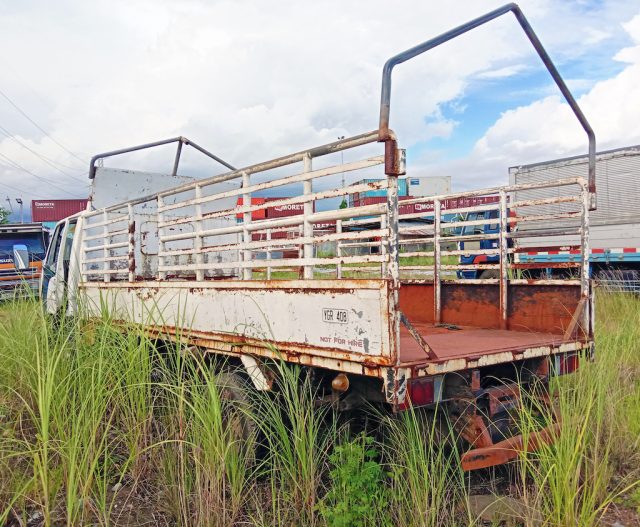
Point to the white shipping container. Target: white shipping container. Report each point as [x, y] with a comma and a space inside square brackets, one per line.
[428, 186]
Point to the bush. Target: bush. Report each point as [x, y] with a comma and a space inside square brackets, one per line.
[357, 496]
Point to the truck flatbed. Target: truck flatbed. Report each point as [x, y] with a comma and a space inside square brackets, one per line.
[473, 346]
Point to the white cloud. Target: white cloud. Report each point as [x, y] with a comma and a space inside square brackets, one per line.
[595, 36]
[247, 81]
[502, 73]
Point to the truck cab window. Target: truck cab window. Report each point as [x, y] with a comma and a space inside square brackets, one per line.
[493, 227]
[66, 257]
[52, 256]
[473, 229]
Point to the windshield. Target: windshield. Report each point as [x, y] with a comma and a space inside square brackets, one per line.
[473, 229]
[33, 241]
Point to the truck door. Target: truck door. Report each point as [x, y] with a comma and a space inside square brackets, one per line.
[55, 273]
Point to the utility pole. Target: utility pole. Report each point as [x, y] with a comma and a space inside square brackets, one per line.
[19, 202]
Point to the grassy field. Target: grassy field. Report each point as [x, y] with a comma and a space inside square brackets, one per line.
[101, 428]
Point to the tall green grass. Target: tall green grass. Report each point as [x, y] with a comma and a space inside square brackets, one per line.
[596, 457]
[297, 436]
[427, 484]
[101, 426]
[209, 451]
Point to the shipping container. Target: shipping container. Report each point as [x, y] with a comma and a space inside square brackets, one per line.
[46, 210]
[614, 233]
[324, 227]
[380, 193]
[280, 234]
[256, 214]
[616, 221]
[280, 211]
[428, 186]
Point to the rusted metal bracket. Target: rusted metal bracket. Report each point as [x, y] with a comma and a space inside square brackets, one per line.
[416, 335]
[395, 159]
[508, 450]
[577, 314]
[474, 431]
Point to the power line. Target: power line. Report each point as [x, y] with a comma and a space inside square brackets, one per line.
[20, 167]
[84, 162]
[37, 154]
[6, 185]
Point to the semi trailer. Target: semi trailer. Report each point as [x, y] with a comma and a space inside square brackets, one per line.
[614, 232]
[614, 239]
[192, 264]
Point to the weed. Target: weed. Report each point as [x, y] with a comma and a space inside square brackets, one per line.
[428, 481]
[357, 495]
[297, 435]
[573, 478]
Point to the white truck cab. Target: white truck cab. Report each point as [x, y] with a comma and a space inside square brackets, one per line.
[57, 269]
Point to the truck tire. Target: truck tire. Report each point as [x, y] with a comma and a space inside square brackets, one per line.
[489, 274]
[234, 392]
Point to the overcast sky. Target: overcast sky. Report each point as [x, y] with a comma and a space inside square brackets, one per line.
[254, 80]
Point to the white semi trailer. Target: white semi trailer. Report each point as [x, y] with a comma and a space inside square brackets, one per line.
[191, 264]
[614, 233]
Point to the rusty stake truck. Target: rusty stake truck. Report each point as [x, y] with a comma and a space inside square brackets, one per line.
[185, 262]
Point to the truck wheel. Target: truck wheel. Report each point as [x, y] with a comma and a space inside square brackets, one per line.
[234, 393]
[489, 274]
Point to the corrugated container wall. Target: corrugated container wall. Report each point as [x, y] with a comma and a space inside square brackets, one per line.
[46, 210]
[617, 184]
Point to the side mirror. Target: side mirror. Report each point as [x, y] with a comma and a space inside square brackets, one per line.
[20, 257]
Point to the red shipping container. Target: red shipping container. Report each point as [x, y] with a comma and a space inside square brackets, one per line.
[276, 235]
[55, 209]
[427, 206]
[374, 200]
[326, 227]
[256, 214]
[369, 200]
[281, 211]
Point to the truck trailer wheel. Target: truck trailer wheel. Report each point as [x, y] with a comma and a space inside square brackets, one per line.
[234, 394]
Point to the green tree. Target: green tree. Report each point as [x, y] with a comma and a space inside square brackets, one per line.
[4, 215]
